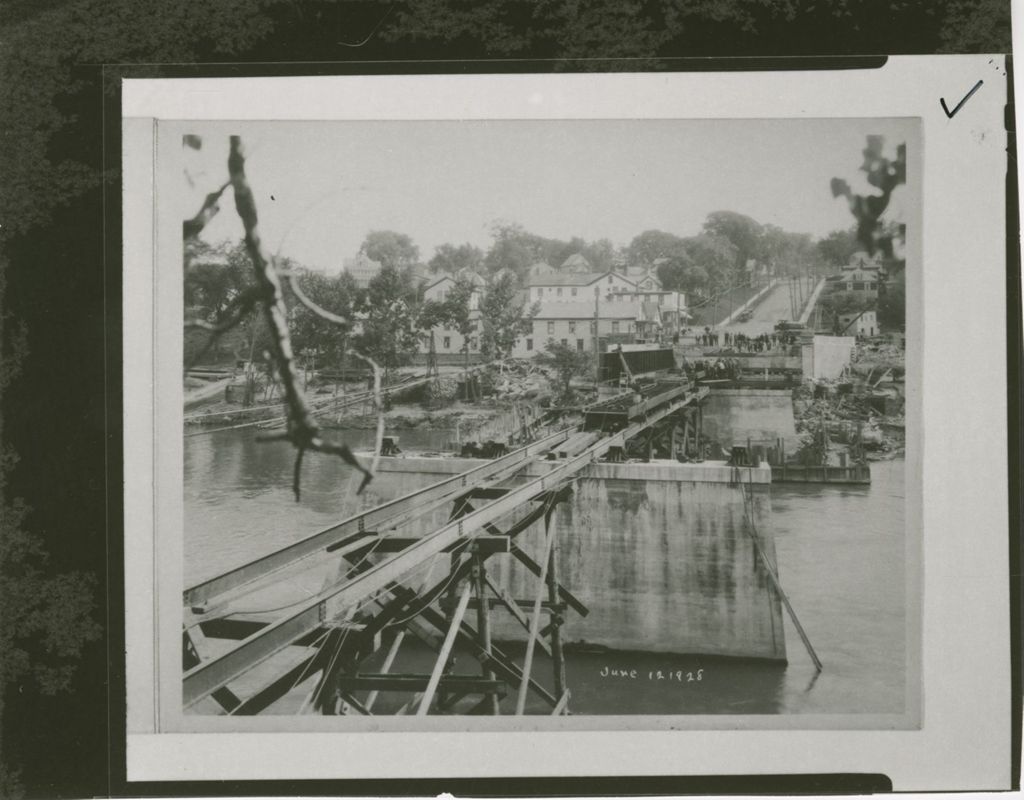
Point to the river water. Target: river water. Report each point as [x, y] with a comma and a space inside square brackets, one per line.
[841, 557]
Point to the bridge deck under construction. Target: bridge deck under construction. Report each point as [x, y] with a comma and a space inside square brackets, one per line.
[374, 586]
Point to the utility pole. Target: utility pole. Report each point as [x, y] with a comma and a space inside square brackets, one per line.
[597, 337]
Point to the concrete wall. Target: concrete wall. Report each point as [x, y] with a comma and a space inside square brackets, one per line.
[767, 361]
[827, 356]
[731, 416]
[659, 552]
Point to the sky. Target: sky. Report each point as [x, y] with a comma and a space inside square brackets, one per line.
[321, 187]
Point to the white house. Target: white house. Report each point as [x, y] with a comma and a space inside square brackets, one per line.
[362, 268]
[560, 287]
[448, 340]
[863, 274]
[864, 323]
[573, 324]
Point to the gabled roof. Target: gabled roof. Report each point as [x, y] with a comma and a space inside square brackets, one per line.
[577, 262]
[574, 278]
[439, 279]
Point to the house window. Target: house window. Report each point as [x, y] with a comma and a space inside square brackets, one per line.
[629, 327]
[472, 343]
[558, 291]
[872, 285]
[858, 286]
[447, 342]
[593, 327]
[609, 279]
[529, 344]
[573, 291]
[579, 345]
[540, 292]
[551, 328]
[565, 342]
[572, 327]
[615, 326]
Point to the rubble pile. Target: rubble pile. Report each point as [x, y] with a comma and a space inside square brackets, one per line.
[861, 414]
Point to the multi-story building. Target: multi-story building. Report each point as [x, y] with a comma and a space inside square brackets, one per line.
[575, 325]
[864, 274]
[362, 268]
[448, 340]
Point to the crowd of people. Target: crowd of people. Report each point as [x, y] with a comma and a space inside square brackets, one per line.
[744, 343]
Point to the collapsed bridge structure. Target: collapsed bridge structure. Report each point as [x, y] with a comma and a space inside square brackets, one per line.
[389, 575]
[378, 584]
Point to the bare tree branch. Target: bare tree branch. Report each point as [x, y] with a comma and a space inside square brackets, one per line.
[301, 429]
[191, 228]
[323, 313]
[240, 307]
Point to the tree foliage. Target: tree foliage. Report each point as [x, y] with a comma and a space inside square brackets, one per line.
[503, 318]
[391, 249]
[838, 247]
[892, 303]
[312, 334]
[389, 333]
[744, 233]
[451, 258]
[567, 362]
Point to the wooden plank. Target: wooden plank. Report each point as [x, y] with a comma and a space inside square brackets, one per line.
[570, 599]
[487, 545]
[371, 698]
[512, 605]
[446, 649]
[418, 683]
[563, 704]
[535, 622]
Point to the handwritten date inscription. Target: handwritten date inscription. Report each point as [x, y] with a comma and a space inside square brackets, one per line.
[676, 675]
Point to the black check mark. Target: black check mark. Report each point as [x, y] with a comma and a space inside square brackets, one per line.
[950, 114]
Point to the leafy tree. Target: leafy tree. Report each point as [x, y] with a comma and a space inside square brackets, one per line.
[215, 275]
[431, 314]
[651, 245]
[391, 249]
[717, 256]
[841, 302]
[838, 247]
[451, 258]
[517, 249]
[601, 254]
[743, 232]
[892, 304]
[503, 319]
[312, 333]
[460, 314]
[389, 327]
[567, 362]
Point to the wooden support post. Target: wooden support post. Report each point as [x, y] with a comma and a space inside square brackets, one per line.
[371, 698]
[557, 656]
[483, 624]
[700, 432]
[446, 649]
[535, 624]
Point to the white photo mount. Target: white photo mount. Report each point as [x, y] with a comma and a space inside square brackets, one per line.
[957, 580]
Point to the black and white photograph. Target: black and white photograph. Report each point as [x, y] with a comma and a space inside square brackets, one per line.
[532, 406]
[596, 417]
